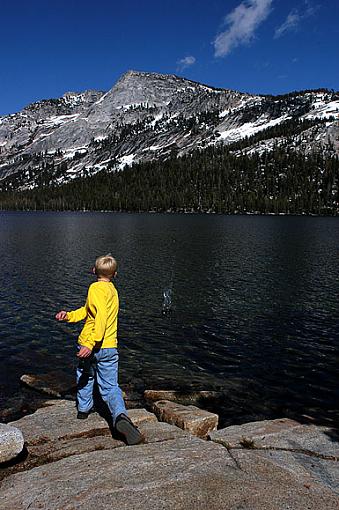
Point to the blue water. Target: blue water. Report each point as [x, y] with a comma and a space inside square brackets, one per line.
[253, 310]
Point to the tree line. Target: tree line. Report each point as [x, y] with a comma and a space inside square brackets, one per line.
[210, 180]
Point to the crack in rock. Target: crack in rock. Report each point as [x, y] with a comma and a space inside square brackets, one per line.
[309, 453]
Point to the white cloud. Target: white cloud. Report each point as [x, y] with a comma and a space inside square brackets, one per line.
[291, 23]
[241, 25]
[310, 8]
[294, 18]
[185, 62]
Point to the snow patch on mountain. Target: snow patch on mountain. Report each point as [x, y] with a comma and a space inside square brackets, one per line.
[250, 128]
[324, 110]
[57, 120]
[145, 116]
[125, 160]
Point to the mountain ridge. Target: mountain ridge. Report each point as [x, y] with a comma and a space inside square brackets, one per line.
[147, 116]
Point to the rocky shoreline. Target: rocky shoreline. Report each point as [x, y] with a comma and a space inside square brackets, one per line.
[184, 461]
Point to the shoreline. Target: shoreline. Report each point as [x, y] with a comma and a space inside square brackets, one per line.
[184, 461]
[33, 390]
[179, 213]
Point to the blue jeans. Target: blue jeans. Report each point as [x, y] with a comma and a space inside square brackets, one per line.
[102, 366]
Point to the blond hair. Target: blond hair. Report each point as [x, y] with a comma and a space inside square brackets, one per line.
[106, 266]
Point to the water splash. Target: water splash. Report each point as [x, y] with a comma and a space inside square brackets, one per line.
[167, 301]
[167, 293]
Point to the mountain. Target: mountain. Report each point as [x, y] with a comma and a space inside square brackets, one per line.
[150, 116]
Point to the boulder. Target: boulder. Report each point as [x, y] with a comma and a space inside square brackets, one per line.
[11, 442]
[178, 474]
[197, 421]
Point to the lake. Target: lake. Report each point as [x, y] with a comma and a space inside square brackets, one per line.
[253, 311]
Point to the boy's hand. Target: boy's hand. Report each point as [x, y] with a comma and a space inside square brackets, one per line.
[61, 316]
[84, 352]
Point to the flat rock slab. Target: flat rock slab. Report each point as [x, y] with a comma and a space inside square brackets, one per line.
[314, 473]
[157, 431]
[282, 433]
[11, 442]
[54, 384]
[309, 451]
[178, 474]
[183, 397]
[59, 421]
[57, 449]
[197, 421]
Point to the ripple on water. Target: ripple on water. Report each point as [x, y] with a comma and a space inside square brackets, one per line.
[253, 303]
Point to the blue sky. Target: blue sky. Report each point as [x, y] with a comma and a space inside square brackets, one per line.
[263, 46]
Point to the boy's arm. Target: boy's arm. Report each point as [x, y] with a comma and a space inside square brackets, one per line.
[98, 307]
[77, 315]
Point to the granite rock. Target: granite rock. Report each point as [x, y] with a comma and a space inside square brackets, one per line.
[11, 442]
[58, 421]
[178, 474]
[322, 475]
[152, 431]
[182, 397]
[197, 421]
[53, 433]
[282, 433]
[309, 451]
[157, 431]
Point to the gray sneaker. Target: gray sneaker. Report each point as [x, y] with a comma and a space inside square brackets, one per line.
[126, 427]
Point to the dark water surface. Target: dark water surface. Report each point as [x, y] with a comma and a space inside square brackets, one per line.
[254, 304]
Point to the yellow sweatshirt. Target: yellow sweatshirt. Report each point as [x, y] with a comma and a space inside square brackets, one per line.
[101, 314]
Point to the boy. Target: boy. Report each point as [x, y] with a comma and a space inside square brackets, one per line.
[98, 354]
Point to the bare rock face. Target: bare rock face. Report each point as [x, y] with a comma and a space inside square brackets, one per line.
[319, 475]
[309, 451]
[157, 431]
[147, 116]
[58, 421]
[77, 464]
[197, 421]
[11, 442]
[281, 433]
[257, 433]
[53, 433]
[51, 451]
[178, 474]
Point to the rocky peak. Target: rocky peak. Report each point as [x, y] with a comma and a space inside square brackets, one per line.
[78, 101]
[137, 88]
[148, 115]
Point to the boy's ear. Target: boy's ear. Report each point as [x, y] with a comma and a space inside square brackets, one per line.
[93, 270]
[115, 274]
